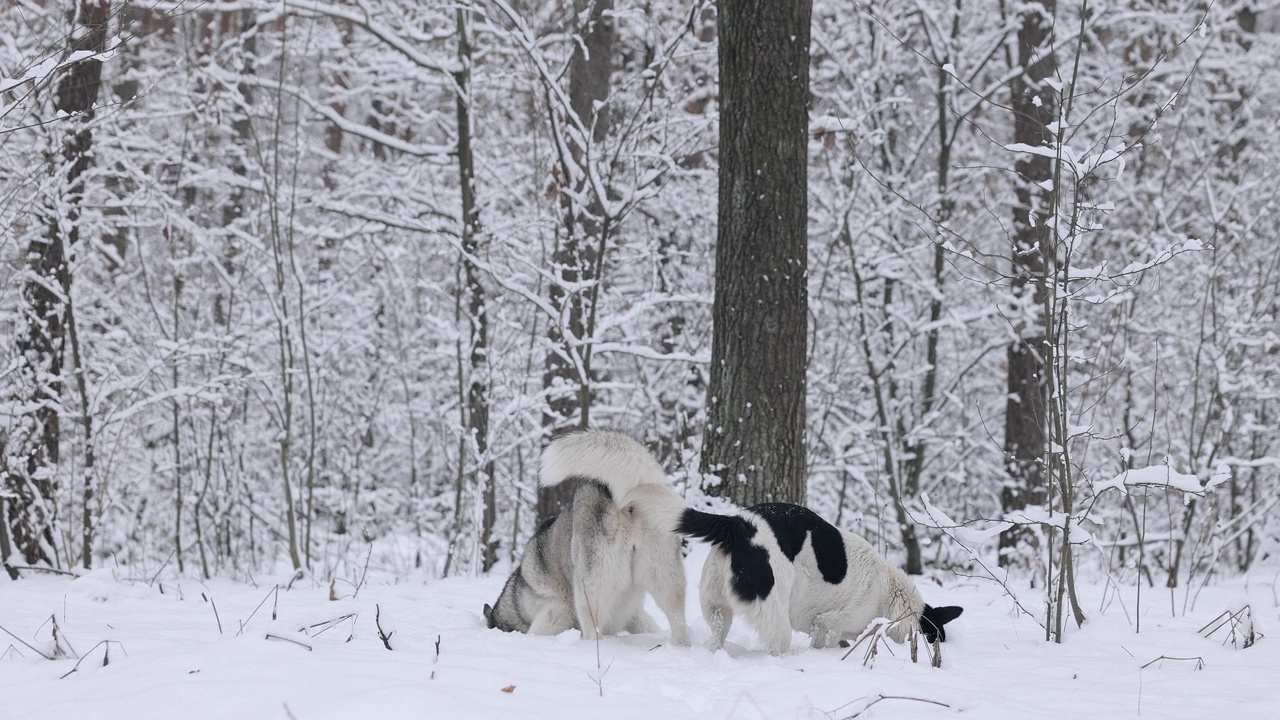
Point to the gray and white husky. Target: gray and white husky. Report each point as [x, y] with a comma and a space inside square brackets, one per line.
[590, 567]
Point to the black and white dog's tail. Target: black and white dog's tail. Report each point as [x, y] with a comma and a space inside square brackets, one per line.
[725, 532]
[751, 576]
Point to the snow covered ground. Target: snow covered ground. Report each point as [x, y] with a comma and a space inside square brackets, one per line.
[168, 658]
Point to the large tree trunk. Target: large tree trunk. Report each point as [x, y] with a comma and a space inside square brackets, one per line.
[576, 260]
[755, 438]
[1034, 105]
[31, 510]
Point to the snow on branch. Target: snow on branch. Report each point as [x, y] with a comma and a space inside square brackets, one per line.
[1162, 476]
[1058, 520]
[965, 533]
[392, 37]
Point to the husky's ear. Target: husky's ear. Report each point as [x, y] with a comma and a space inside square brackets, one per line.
[933, 619]
[488, 617]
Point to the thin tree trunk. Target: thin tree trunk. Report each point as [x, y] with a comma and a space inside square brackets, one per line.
[88, 517]
[176, 419]
[755, 438]
[915, 451]
[577, 257]
[6, 545]
[1034, 105]
[236, 212]
[477, 311]
[197, 507]
[281, 238]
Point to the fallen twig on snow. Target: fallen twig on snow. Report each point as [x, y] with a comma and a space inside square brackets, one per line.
[53, 571]
[1199, 661]
[106, 656]
[881, 698]
[326, 625]
[26, 644]
[273, 636]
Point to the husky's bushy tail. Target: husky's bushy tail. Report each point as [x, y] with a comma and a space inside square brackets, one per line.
[613, 458]
[624, 465]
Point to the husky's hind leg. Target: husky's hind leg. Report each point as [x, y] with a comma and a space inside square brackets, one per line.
[553, 619]
[641, 622]
[606, 604]
[666, 583]
[604, 598]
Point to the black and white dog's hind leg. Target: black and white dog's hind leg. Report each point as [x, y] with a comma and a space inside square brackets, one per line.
[746, 574]
[822, 632]
[713, 595]
[769, 614]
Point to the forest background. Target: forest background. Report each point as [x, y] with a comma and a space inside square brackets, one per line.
[311, 283]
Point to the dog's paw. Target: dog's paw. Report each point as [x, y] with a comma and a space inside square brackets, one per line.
[680, 636]
[820, 637]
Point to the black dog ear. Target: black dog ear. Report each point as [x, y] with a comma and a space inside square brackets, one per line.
[488, 617]
[947, 613]
[933, 619]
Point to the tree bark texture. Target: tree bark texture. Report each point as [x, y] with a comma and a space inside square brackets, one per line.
[475, 302]
[755, 439]
[31, 457]
[576, 260]
[1034, 105]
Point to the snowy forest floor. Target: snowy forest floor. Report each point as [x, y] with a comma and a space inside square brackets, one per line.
[168, 657]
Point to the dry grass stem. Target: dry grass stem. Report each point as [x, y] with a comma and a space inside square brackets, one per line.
[215, 610]
[877, 634]
[325, 625]
[1239, 624]
[61, 645]
[245, 622]
[383, 635]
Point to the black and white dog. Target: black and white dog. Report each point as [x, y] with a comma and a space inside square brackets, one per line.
[590, 567]
[783, 568]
